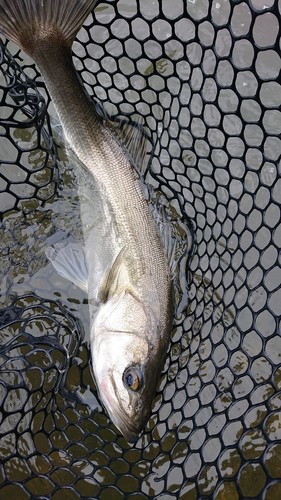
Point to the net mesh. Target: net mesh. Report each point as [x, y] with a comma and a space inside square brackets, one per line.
[205, 77]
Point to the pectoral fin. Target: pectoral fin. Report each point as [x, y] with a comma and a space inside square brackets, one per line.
[109, 284]
[68, 259]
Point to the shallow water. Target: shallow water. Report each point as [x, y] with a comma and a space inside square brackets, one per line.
[211, 102]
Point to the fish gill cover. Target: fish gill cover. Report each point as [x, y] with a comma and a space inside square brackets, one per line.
[205, 77]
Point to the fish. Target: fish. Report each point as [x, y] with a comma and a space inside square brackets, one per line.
[122, 263]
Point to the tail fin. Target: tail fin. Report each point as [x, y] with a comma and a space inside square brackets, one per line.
[27, 22]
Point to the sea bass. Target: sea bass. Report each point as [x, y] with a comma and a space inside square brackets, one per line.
[124, 267]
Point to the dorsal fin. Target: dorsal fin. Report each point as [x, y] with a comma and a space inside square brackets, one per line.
[132, 134]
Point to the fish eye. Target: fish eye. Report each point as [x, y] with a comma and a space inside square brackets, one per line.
[132, 378]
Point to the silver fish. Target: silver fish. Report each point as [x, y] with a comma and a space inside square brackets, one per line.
[124, 268]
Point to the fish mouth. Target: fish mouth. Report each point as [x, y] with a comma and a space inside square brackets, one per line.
[129, 430]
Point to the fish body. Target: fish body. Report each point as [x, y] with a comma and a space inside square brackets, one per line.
[123, 267]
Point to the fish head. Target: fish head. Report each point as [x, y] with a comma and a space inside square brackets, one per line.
[127, 361]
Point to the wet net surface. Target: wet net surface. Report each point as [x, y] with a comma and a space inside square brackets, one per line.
[205, 76]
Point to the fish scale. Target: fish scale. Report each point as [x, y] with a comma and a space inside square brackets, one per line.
[123, 265]
[99, 151]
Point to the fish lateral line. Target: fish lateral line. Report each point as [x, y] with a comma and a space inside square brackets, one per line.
[57, 23]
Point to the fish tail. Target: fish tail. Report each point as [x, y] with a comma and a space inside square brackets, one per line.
[29, 22]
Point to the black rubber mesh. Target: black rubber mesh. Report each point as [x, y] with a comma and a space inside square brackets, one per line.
[205, 76]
